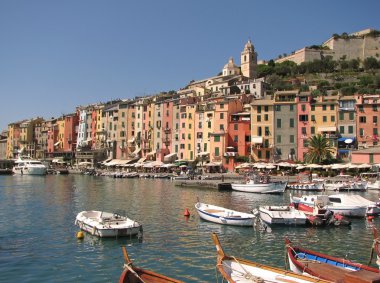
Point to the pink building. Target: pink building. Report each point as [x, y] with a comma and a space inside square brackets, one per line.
[304, 121]
[70, 133]
[368, 155]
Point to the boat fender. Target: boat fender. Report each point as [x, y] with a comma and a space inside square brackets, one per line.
[93, 230]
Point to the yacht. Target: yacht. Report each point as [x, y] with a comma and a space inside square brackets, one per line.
[27, 166]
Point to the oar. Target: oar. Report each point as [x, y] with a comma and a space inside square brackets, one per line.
[128, 264]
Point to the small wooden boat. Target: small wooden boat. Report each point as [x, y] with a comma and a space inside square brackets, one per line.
[236, 270]
[133, 274]
[308, 262]
[106, 224]
[282, 215]
[223, 215]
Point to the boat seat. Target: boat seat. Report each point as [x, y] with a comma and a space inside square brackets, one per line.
[213, 210]
[329, 272]
[362, 276]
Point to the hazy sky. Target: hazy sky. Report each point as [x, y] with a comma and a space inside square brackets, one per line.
[56, 55]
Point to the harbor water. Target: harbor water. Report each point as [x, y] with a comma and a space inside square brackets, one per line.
[38, 237]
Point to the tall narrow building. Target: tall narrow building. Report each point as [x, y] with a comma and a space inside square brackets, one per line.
[249, 61]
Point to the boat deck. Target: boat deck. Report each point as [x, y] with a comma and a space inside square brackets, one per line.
[342, 275]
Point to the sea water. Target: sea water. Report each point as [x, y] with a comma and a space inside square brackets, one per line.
[38, 237]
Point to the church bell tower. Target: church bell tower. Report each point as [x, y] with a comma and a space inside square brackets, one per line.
[249, 61]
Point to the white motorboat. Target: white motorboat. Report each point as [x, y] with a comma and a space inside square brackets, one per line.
[223, 215]
[372, 179]
[344, 204]
[261, 185]
[25, 165]
[106, 224]
[282, 215]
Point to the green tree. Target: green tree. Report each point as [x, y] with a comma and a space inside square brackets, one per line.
[370, 63]
[319, 150]
[264, 70]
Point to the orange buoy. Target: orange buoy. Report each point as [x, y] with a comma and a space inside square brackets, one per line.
[187, 213]
[370, 218]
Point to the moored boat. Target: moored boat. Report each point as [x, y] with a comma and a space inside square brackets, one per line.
[306, 186]
[347, 205]
[106, 224]
[223, 215]
[282, 215]
[133, 274]
[319, 265]
[25, 165]
[236, 270]
[260, 184]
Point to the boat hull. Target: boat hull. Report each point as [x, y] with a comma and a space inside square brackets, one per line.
[107, 225]
[30, 170]
[269, 188]
[224, 216]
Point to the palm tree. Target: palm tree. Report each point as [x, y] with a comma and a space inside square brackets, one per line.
[319, 149]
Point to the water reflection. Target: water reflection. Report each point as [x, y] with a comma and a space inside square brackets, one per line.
[38, 243]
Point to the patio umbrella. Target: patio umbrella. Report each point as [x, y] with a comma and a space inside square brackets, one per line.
[300, 167]
[313, 166]
[364, 166]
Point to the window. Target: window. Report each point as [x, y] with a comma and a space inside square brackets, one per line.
[303, 107]
[341, 129]
[313, 118]
[267, 131]
[375, 132]
[303, 131]
[312, 107]
[259, 131]
[222, 115]
[350, 129]
[362, 119]
[291, 108]
[374, 119]
[374, 107]
[303, 118]
[332, 118]
[236, 127]
[324, 119]
[258, 109]
[341, 116]
[216, 138]
[278, 139]
[217, 151]
[351, 116]
[266, 117]
[278, 108]
[324, 107]
[278, 123]
[259, 154]
[221, 105]
[209, 125]
[221, 127]
[360, 108]
[312, 130]
[291, 123]
[258, 118]
[291, 138]
[267, 154]
[361, 132]
[236, 139]
[332, 107]
[266, 108]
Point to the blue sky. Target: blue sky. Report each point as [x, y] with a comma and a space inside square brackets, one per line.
[56, 55]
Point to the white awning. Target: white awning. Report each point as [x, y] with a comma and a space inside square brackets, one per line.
[131, 140]
[257, 140]
[114, 162]
[84, 163]
[170, 157]
[326, 129]
[57, 143]
[204, 153]
[105, 161]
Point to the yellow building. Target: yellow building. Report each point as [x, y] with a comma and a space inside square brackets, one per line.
[262, 132]
[323, 117]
